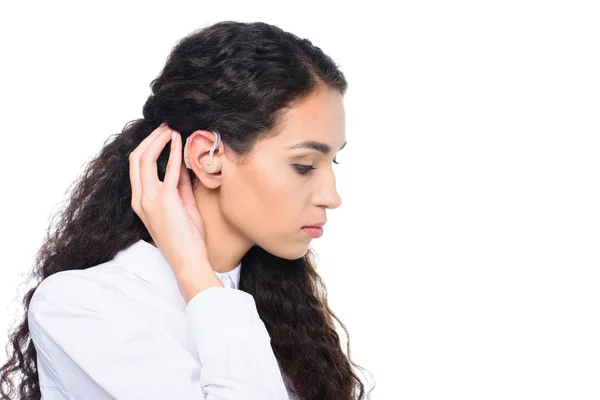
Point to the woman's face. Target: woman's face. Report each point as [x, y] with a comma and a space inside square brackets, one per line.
[269, 198]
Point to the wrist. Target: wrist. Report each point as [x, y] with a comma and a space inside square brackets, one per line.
[194, 279]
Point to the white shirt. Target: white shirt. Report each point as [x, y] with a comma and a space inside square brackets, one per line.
[122, 330]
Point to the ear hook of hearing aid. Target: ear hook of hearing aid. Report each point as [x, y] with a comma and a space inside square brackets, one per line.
[211, 164]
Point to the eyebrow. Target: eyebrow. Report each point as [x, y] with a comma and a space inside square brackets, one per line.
[311, 144]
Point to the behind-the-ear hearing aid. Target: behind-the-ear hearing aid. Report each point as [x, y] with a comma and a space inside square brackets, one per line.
[212, 164]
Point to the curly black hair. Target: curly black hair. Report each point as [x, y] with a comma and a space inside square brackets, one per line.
[238, 78]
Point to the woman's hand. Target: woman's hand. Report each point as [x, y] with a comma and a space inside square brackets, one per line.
[168, 210]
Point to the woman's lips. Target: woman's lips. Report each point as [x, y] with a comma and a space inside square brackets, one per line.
[313, 232]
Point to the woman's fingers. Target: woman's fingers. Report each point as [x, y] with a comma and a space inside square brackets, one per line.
[141, 148]
[134, 166]
[185, 186]
[148, 167]
[174, 163]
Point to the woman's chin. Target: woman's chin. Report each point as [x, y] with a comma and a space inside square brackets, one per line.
[290, 252]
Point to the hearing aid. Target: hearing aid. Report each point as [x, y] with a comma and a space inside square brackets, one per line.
[211, 164]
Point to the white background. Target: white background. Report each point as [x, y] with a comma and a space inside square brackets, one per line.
[464, 260]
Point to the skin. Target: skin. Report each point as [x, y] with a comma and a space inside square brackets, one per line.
[264, 200]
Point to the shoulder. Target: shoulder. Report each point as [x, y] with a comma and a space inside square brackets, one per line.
[83, 288]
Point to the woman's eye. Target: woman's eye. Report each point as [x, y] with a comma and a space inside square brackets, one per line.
[335, 161]
[303, 169]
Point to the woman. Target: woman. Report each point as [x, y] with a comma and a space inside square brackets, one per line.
[181, 266]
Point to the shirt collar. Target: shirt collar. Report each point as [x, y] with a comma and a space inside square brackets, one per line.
[148, 263]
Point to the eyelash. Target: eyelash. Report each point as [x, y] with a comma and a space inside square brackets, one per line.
[305, 169]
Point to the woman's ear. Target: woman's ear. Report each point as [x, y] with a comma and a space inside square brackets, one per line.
[197, 152]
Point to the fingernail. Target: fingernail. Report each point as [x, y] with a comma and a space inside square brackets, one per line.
[173, 134]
